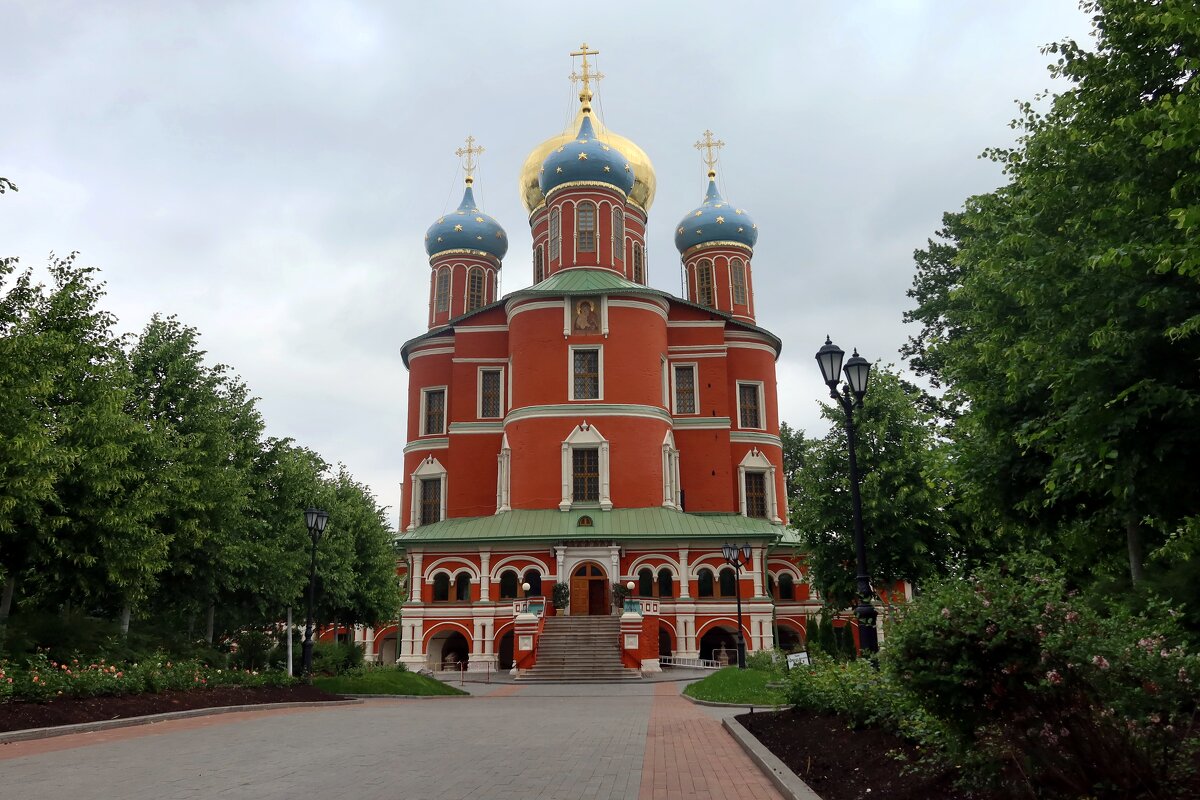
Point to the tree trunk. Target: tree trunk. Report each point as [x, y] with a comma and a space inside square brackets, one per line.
[1133, 539]
[125, 614]
[212, 614]
[10, 587]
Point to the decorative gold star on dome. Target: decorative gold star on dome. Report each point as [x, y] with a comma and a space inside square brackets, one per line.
[720, 220]
[740, 229]
[699, 231]
[480, 238]
[499, 234]
[755, 227]
[439, 238]
[738, 211]
[680, 231]
[607, 168]
[558, 169]
[698, 213]
[479, 219]
[441, 220]
[605, 148]
[582, 157]
[461, 213]
[561, 149]
[458, 227]
[627, 168]
[584, 140]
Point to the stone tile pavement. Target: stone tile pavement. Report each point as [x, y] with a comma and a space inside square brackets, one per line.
[517, 742]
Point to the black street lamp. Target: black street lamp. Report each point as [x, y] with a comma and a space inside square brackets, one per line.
[858, 372]
[738, 558]
[315, 519]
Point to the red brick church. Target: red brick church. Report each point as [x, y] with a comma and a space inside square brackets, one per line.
[591, 432]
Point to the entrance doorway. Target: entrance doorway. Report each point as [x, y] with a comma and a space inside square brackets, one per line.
[589, 590]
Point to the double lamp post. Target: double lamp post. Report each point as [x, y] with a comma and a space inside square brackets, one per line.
[315, 519]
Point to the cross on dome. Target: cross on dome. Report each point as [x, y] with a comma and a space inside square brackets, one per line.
[710, 146]
[585, 75]
[467, 154]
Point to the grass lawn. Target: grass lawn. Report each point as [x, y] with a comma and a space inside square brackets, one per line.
[385, 681]
[732, 685]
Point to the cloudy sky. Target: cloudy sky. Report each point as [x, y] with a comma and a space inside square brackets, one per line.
[267, 170]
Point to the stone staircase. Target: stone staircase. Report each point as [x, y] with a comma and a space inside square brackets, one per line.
[579, 650]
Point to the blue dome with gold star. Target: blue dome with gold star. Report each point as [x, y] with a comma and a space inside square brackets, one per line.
[585, 159]
[466, 228]
[715, 221]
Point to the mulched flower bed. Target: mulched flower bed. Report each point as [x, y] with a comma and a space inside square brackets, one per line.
[844, 764]
[19, 715]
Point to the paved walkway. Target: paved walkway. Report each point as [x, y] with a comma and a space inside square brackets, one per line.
[514, 742]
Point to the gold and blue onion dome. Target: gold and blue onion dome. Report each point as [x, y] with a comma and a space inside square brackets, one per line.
[715, 221]
[466, 228]
[586, 159]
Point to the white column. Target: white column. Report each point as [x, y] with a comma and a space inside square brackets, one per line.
[605, 483]
[684, 572]
[485, 575]
[757, 570]
[565, 504]
[560, 555]
[415, 578]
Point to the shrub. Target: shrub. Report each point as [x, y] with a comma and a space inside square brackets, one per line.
[765, 660]
[252, 650]
[1072, 700]
[336, 659]
[561, 595]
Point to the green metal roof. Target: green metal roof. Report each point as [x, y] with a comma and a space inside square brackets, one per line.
[582, 281]
[625, 523]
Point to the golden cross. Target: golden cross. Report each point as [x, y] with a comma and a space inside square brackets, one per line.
[587, 76]
[710, 145]
[467, 154]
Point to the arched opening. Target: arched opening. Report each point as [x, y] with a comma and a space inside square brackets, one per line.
[589, 590]
[770, 585]
[508, 584]
[664, 640]
[539, 265]
[787, 587]
[585, 227]
[534, 579]
[441, 587]
[388, 648]
[475, 289]
[704, 580]
[442, 292]
[449, 649]
[728, 583]
[789, 640]
[737, 274]
[718, 640]
[504, 654]
[645, 582]
[666, 586]
[704, 283]
[462, 587]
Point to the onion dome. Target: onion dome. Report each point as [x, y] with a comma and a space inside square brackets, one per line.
[467, 228]
[585, 159]
[715, 221]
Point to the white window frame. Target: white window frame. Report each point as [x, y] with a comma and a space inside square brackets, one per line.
[504, 478]
[618, 234]
[438, 306]
[706, 266]
[595, 248]
[554, 250]
[479, 392]
[639, 260]
[670, 468]
[483, 289]
[445, 390]
[584, 436]
[733, 284]
[571, 372]
[755, 461]
[429, 469]
[695, 388]
[664, 378]
[762, 411]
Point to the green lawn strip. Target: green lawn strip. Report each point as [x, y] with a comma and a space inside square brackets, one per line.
[732, 685]
[385, 682]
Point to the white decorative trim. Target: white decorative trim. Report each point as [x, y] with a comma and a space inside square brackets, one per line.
[749, 437]
[480, 329]
[512, 308]
[641, 306]
[696, 324]
[754, 461]
[445, 390]
[695, 368]
[457, 564]
[426, 444]
[429, 469]
[591, 410]
[504, 476]
[479, 361]
[697, 423]
[753, 346]
[762, 410]
[529, 561]
[599, 348]
[457, 428]
[687, 349]
[584, 435]
[429, 351]
[499, 388]
[670, 473]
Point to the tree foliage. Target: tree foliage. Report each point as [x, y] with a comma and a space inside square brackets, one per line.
[1062, 312]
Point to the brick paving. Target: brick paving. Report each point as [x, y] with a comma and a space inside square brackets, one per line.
[536, 742]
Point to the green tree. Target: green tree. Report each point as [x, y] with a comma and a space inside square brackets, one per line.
[1062, 311]
[906, 498]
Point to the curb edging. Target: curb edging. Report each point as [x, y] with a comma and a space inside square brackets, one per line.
[751, 706]
[30, 734]
[786, 781]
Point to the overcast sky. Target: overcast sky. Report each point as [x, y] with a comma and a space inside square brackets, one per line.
[266, 171]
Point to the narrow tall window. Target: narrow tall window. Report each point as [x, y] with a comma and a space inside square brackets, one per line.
[435, 412]
[586, 379]
[748, 410]
[489, 393]
[534, 579]
[685, 389]
[585, 227]
[555, 234]
[639, 265]
[442, 291]
[508, 585]
[462, 587]
[441, 587]
[704, 283]
[704, 583]
[727, 583]
[474, 289]
[756, 495]
[585, 465]
[737, 269]
[431, 500]
[787, 587]
[645, 582]
[665, 586]
[618, 244]
[539, 265]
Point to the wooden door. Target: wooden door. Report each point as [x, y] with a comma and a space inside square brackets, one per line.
[597, 597]
[579, 595]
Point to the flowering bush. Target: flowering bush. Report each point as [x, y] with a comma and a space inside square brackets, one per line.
[1057, 694]
[42, 678]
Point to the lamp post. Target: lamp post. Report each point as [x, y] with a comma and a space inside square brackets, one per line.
[315, 519]
[738, 557]
[858, 373]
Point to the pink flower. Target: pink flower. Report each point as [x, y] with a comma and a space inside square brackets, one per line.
[1054, 678]
[1100, 661]
[35, 679]
[945, 613]
[1072, 616]
[120, 674]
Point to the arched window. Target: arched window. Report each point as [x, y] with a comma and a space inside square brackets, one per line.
[539, 265]
[704, 283]
[508, 585]
[666, 586]
[441, 587]
[462, 587]
[585, 227]
[442, 291]
[705, 583]
[770, 585]
[555, 234]
[645, 582]
[534, 579]
[618, 237]
[737, 271]
[728, 583]
[787, 588]
[639, 266]
[474, 289]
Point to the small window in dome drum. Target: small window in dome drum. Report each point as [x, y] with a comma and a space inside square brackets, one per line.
[585, 227]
